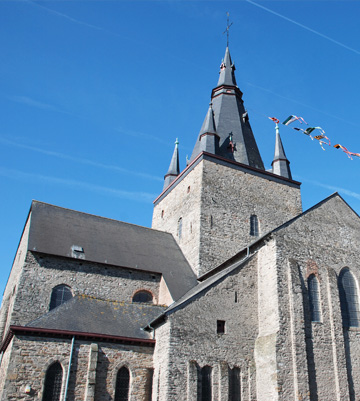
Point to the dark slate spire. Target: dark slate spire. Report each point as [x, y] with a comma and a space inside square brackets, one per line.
[235, 137]
[209, 140]
[280, 164]
[174, 169]
[227, 68]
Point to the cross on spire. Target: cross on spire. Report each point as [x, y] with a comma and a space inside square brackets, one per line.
[227, 29]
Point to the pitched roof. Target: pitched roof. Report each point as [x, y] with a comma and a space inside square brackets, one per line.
[55, 231]
[91, 315]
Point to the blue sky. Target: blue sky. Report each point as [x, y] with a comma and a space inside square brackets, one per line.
[93, 95]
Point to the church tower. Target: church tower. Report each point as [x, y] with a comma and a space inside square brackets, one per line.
[225, 199]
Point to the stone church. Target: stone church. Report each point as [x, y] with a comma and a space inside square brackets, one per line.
[234, 293]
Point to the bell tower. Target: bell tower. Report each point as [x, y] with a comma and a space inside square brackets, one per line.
[224, 199]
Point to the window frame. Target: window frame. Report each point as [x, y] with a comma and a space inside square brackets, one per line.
[54, 300]
[349, 299]
[314, 298]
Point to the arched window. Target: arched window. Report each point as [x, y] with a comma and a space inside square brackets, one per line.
[59, 295]
[349, 299]
[254, 225]
[314, 298]
[204, 384]
[122, 385]
[53, 381]
[234, 384]
[143, 296]
[179, 227]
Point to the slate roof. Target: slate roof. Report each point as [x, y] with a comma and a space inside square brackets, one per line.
[91, 315]
[230, 117]
[280, 163]
[55, 230]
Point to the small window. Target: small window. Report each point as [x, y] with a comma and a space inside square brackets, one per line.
[149, 384]
[204, 384]
[179, 228]
[314, 298]
[53, 382]
[59, 295]
[349, 299]
[254, 225]
[234, 384]
[143, 297]
[220, 326]
[188, 189]
[122, 385]
[162, 214]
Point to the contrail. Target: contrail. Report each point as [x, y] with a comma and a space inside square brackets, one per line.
[304, 27]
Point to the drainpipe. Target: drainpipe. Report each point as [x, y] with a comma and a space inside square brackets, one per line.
[69, 367]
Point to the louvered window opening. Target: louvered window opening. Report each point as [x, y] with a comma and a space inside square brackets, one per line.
[314, 298]
[254, 225]
[204, 388]
[349, 299]
[143, 296]
[122, 385]
[59, 295]
[234, 384]
[53, 382]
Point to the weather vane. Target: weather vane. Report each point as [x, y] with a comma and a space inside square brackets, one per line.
[227, 29]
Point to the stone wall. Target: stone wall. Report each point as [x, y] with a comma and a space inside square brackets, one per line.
[321, 242]
[215, 203]
[41, 273]
[30, 358]
[188, 340]
[184, 201]
[12, 287]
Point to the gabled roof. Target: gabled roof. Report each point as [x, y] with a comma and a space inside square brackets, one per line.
[58, 231]
[86, 314]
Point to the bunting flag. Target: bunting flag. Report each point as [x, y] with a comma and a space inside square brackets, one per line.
[292, 118]
[322, 138]
[349, 154]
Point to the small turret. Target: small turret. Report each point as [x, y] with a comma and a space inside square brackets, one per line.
[280, 164]
[174, 168]
[209, 140]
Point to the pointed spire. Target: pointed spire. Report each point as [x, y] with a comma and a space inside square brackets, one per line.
[209, 140]
[174, 168]
[227, 68]
[229, 116]
[209, 123]
[280, 164]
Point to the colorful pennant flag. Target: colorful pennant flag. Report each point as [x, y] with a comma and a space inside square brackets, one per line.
[292, 118]
[349, 154]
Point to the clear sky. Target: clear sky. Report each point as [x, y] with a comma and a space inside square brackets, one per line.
[93, 95]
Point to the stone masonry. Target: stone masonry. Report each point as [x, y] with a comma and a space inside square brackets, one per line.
[215, 202]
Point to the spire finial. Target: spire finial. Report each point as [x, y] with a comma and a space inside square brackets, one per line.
[227, 29]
